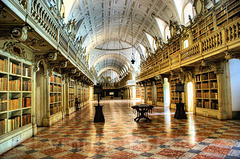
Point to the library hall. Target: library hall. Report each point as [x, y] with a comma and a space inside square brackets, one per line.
[119, 79]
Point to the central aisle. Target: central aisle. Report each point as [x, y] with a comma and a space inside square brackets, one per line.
[120, 136]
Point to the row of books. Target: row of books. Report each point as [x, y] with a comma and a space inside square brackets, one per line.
[55, 79]
[198, 78]
[15, 85]
[206, 104]
[214, 95]
[159, 99]
[71, 90]
[198, 86]
[26, 71]
[55, 88]
[14, 103]
[71, 96]
[71, 103]
[26, 102]
[213, 85]
[26, 119]
[3, 104]
[71, 84]
[199, 95]
[55, 109]
[214, 105]
[14, 68]
[3, 126]
[14, 123]
[55, 98]
[3, 83]
[205, 85]
[3, 65]
[27, 86]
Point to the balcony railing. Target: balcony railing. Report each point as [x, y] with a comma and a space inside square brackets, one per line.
[221, 40]
[40, 17]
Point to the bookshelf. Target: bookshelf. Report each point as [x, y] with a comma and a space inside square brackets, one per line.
[227, 12]
[203, 27]
[55, 94]
[149, 94]
[175, 97]
[71, 94]
[159, 86]
[15, 93]
[79, 92]
[138, 92]
[206, 90]
[71, 97]
[86, 94]
[174, 46]
[143, 93]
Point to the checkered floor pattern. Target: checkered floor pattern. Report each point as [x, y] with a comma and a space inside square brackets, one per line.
[120, 137]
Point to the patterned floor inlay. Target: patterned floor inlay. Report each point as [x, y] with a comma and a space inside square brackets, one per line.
[120, 137]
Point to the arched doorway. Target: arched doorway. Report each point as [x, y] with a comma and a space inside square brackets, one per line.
[166, 92]
[190, 96]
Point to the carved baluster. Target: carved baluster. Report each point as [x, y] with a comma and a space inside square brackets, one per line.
[231, 33]
[238, 30]
[234, 31]
[227, 35]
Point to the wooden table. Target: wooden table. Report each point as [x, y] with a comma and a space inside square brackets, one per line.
[142, 111]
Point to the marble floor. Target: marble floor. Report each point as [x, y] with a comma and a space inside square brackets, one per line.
[120, 137]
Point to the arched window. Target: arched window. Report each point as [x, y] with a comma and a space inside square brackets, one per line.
[144, 51]
[185, 44]
[167, 33]
[152, 42]
[188, 10]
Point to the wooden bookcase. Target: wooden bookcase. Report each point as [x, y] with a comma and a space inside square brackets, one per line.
[174, 46]
[15, 93]
[149, 94]
[175, 97]
[55, 94]
[138, 92]
[160, 96]
[206, 90]
[227, 12]
[86, 94]
[143, 93]
[203, 27]
[71, 97]
[71, 94]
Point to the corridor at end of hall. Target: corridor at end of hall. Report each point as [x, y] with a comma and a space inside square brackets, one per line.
[120, 137]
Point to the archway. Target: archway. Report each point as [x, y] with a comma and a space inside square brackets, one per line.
[166, 92]
[190, 96]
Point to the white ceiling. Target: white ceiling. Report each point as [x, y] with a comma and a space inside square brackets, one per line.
[112, 27]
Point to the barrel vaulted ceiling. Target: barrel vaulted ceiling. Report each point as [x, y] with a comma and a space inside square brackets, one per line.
[110, 28]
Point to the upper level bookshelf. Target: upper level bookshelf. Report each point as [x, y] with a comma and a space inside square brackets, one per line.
[55, 93]
[203, 27]
[15, 93]
[206, 90]
[227, 12]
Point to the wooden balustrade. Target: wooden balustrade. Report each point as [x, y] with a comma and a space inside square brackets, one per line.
[215, 40]
[190, 52]
[232, 31]
[212, 41]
